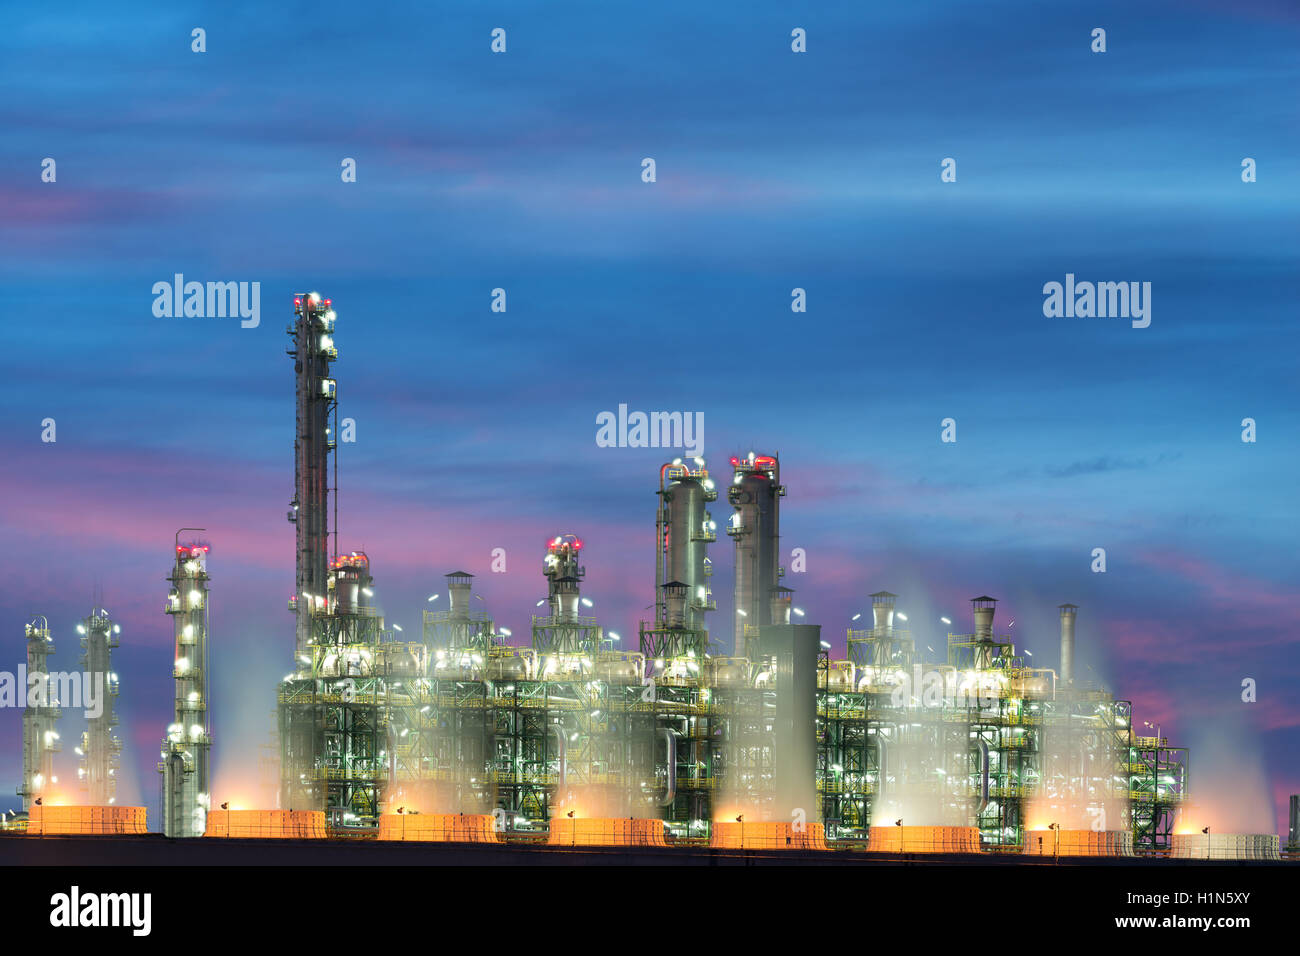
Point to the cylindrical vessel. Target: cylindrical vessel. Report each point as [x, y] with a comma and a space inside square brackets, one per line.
[684, 503]
[458, 588]
[780, 606]
[882, 612]
[565, 600]
[756, 528]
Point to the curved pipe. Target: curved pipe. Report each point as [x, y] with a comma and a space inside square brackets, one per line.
[983, 747]
[670, 742]
[663, 473]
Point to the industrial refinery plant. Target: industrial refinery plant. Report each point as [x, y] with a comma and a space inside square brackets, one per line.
[731, 739]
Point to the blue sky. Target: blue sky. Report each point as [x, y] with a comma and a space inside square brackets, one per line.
[775, 170]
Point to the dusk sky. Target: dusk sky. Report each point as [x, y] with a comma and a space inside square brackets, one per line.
[775, 170]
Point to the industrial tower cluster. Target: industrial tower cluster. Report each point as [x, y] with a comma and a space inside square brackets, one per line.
[100, 751]
[461, 721]
[184, 765]
[461, 735]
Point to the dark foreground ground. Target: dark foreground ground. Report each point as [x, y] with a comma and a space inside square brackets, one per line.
[223, 890]
[157, 850]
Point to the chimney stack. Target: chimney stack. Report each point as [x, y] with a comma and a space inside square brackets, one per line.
[675, 603]
[564, 600]
[983, 608]
[459, 584]
[882, 611]
[780, 605]
[1068, 611]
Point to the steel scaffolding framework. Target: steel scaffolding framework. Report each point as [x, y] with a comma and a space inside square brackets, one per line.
[1157, 776]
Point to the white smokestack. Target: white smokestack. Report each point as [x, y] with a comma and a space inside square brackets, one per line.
[1068, 612]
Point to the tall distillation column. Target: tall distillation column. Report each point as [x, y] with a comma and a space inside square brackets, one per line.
[755, 493]
[101, 750]
[313, 351]
[315, 389]
[684, 529]
[186, 793]
[40, 714]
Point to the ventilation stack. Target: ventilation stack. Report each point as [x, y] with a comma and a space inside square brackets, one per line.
[459, 585]
[674, 597]
[40, 715]
[882, 612]
[186, 785]
[882, 646]
[101, 750]
[984, 607]
[458, 626]
[780, 603]
[755, 495]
